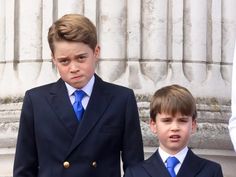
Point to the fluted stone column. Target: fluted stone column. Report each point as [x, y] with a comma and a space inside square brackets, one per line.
[144, 45]
[112, 38]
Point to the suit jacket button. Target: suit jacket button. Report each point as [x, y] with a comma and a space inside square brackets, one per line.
[94, 164]
[66, 164]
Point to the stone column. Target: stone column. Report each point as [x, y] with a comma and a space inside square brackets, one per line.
[111, 26]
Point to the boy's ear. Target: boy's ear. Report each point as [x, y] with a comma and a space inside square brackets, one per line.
[153, 126]
[97, 51]
[194, 126]
[53, 59]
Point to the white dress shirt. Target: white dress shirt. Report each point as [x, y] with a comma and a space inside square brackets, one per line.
[180, 156]
[232, 121]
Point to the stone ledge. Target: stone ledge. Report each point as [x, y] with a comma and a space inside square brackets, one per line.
[212, 121]
[208, 136]
[6, 162]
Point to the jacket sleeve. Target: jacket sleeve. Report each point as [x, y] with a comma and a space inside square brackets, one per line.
[128, 173]
[219, 172]
[26, 160]
[132, 147]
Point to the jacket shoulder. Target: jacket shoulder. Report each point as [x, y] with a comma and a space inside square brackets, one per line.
[43, 89]
[198, 164]
[205, 161]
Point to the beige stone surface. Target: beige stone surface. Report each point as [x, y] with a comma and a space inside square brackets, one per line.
[144, 45]
[6, 161]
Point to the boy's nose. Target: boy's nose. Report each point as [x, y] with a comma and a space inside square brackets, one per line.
[175, 126]
[74, 67]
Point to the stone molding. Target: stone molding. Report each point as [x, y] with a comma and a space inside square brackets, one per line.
[212, 121]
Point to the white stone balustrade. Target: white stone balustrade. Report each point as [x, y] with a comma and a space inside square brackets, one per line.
[145, 44]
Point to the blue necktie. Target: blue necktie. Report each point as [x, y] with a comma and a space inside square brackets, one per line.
[78, 108]
[171, 163]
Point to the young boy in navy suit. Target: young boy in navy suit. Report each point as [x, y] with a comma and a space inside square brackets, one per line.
[173, 120]
[79, 126]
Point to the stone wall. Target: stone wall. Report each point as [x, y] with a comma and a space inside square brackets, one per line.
[144, 45]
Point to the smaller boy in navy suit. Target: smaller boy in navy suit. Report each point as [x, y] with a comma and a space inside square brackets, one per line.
[173, 120]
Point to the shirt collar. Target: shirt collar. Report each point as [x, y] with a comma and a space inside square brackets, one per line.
[180, 155]
[87, 88]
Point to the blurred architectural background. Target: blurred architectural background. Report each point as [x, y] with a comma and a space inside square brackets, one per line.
[145, 44]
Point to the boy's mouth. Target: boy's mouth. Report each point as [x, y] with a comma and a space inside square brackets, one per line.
[174, 137]
[76, 77]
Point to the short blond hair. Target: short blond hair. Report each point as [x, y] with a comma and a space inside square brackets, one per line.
[74, 28]
[172, 100]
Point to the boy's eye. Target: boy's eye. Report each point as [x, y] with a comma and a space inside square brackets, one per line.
[166, 120]
[81, 58]
[183, 120]
[64, 61]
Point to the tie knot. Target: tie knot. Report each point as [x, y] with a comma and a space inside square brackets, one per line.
[172, 162]
[79, 94]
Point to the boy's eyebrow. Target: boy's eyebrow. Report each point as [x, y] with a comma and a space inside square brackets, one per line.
[79, 54]
[167, 117]
[179, 117]
[76, 55]
[61, 58]
[183, 117]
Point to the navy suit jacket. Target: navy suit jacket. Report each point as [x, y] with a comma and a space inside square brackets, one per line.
[51, 143]
[193, 166]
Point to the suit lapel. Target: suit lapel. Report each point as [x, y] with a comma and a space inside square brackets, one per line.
[155, 167]
[192, 164]
[98, 103]
[61, 105]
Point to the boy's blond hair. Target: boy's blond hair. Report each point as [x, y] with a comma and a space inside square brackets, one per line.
[173, 99]
[73, 28]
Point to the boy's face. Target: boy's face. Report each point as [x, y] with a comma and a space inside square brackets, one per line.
[173, 132]
[75, 61]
